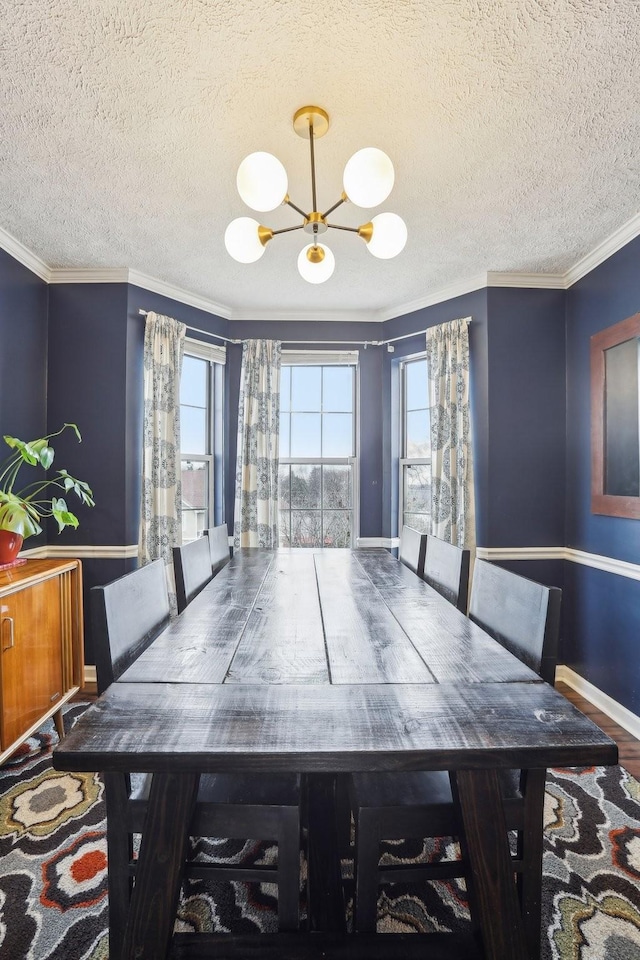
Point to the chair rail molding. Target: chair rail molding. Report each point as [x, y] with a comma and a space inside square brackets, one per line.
[623, 568]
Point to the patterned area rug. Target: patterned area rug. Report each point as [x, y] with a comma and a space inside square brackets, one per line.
[53, 891]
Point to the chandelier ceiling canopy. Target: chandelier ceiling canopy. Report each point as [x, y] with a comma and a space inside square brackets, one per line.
[263, 184]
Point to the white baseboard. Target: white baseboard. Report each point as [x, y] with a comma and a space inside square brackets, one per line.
[364, 543]
[614, 710]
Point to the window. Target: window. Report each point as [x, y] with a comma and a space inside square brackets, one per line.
[200, 436]
[415, 460]
[317, 452]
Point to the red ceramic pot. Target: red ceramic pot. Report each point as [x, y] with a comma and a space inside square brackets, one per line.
[10, 544]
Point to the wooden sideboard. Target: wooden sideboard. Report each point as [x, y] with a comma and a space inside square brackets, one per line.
[41, 646]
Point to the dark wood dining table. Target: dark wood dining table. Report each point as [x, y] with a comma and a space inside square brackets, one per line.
[325, 662]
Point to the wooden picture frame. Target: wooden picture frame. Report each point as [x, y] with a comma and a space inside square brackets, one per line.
[603, 502]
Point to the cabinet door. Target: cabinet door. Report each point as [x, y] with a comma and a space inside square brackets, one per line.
[31, 652]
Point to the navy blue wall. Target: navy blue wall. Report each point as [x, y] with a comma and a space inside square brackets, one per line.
[525, 419]
[23, 356]
[603, 619]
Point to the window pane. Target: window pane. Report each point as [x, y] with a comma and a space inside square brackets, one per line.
[195, 498]
[337, 435]
[285, 388]
[337, 388]
[193, 430]
[336, 486]
[419, 521]
[416, 381]
[285, 423]
[193, 381]
[284, 528]
[306, 528]
[336, 531]
[284, 488]
[417, 488]
[305, 388]
[305, 434]
[305, 485]
[418, 443]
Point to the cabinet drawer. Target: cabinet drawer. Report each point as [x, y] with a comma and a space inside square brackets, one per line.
[31, 665]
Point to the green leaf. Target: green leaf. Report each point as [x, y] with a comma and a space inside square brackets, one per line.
[63, 516]
[18, 516]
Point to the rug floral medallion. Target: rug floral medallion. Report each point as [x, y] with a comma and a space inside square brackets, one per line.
[53, 868]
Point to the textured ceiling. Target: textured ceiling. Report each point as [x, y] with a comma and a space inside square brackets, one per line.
[513, 126]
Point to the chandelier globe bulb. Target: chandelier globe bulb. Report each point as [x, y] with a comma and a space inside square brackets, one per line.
[368, 177]
[262, 181]
[388, 236]
[316, 263]
[242, 240]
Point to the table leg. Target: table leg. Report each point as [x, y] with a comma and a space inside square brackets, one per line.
[324, 879]
[496, 897]
[163, 848]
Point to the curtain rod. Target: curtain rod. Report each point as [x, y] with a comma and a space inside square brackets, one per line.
[358, 343]
[207, 333]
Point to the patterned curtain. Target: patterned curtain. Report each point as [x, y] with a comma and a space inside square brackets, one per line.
[161, 504]
[256, 508]
[452, 496]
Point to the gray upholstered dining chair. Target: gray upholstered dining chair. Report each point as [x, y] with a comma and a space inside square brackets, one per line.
[192, 568]
[446, 569]
[524, 617]
[412, 549]
[218, 547]
[127, 615]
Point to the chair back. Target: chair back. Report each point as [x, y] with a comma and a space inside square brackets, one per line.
[192, 568]
[446, 569]
[522, 615]
[413, 545]
[126, 615]
[218, 547]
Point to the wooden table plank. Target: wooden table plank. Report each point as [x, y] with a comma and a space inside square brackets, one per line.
[454, 648]
[199, 645]
[283, 640]
[315, 727]
[365, 643]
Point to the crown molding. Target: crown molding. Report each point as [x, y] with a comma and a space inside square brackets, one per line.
[446, 293]
[627, 232]
[153, 285]
[548, 281]
[89, 275]
[24, 256]
[540, 281]
[331, 316]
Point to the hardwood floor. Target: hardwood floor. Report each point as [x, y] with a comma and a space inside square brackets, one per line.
[628, 746]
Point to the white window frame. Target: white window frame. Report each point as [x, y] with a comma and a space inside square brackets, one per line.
[214, 354]
[334, 358]
[405, 461]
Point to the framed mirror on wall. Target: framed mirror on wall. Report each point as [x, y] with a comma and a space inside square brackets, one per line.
[615, 420]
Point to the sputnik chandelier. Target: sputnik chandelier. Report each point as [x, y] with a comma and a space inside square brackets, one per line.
[262, 184]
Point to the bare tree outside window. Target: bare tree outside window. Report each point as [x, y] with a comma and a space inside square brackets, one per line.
[316, 456]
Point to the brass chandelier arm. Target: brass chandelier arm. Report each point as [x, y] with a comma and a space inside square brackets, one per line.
[365, 230]
[299, 226]
[313, 166]
[343, 199]
[294, 207]
[336, 226]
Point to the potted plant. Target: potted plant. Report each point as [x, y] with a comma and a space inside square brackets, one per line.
[22, 510]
